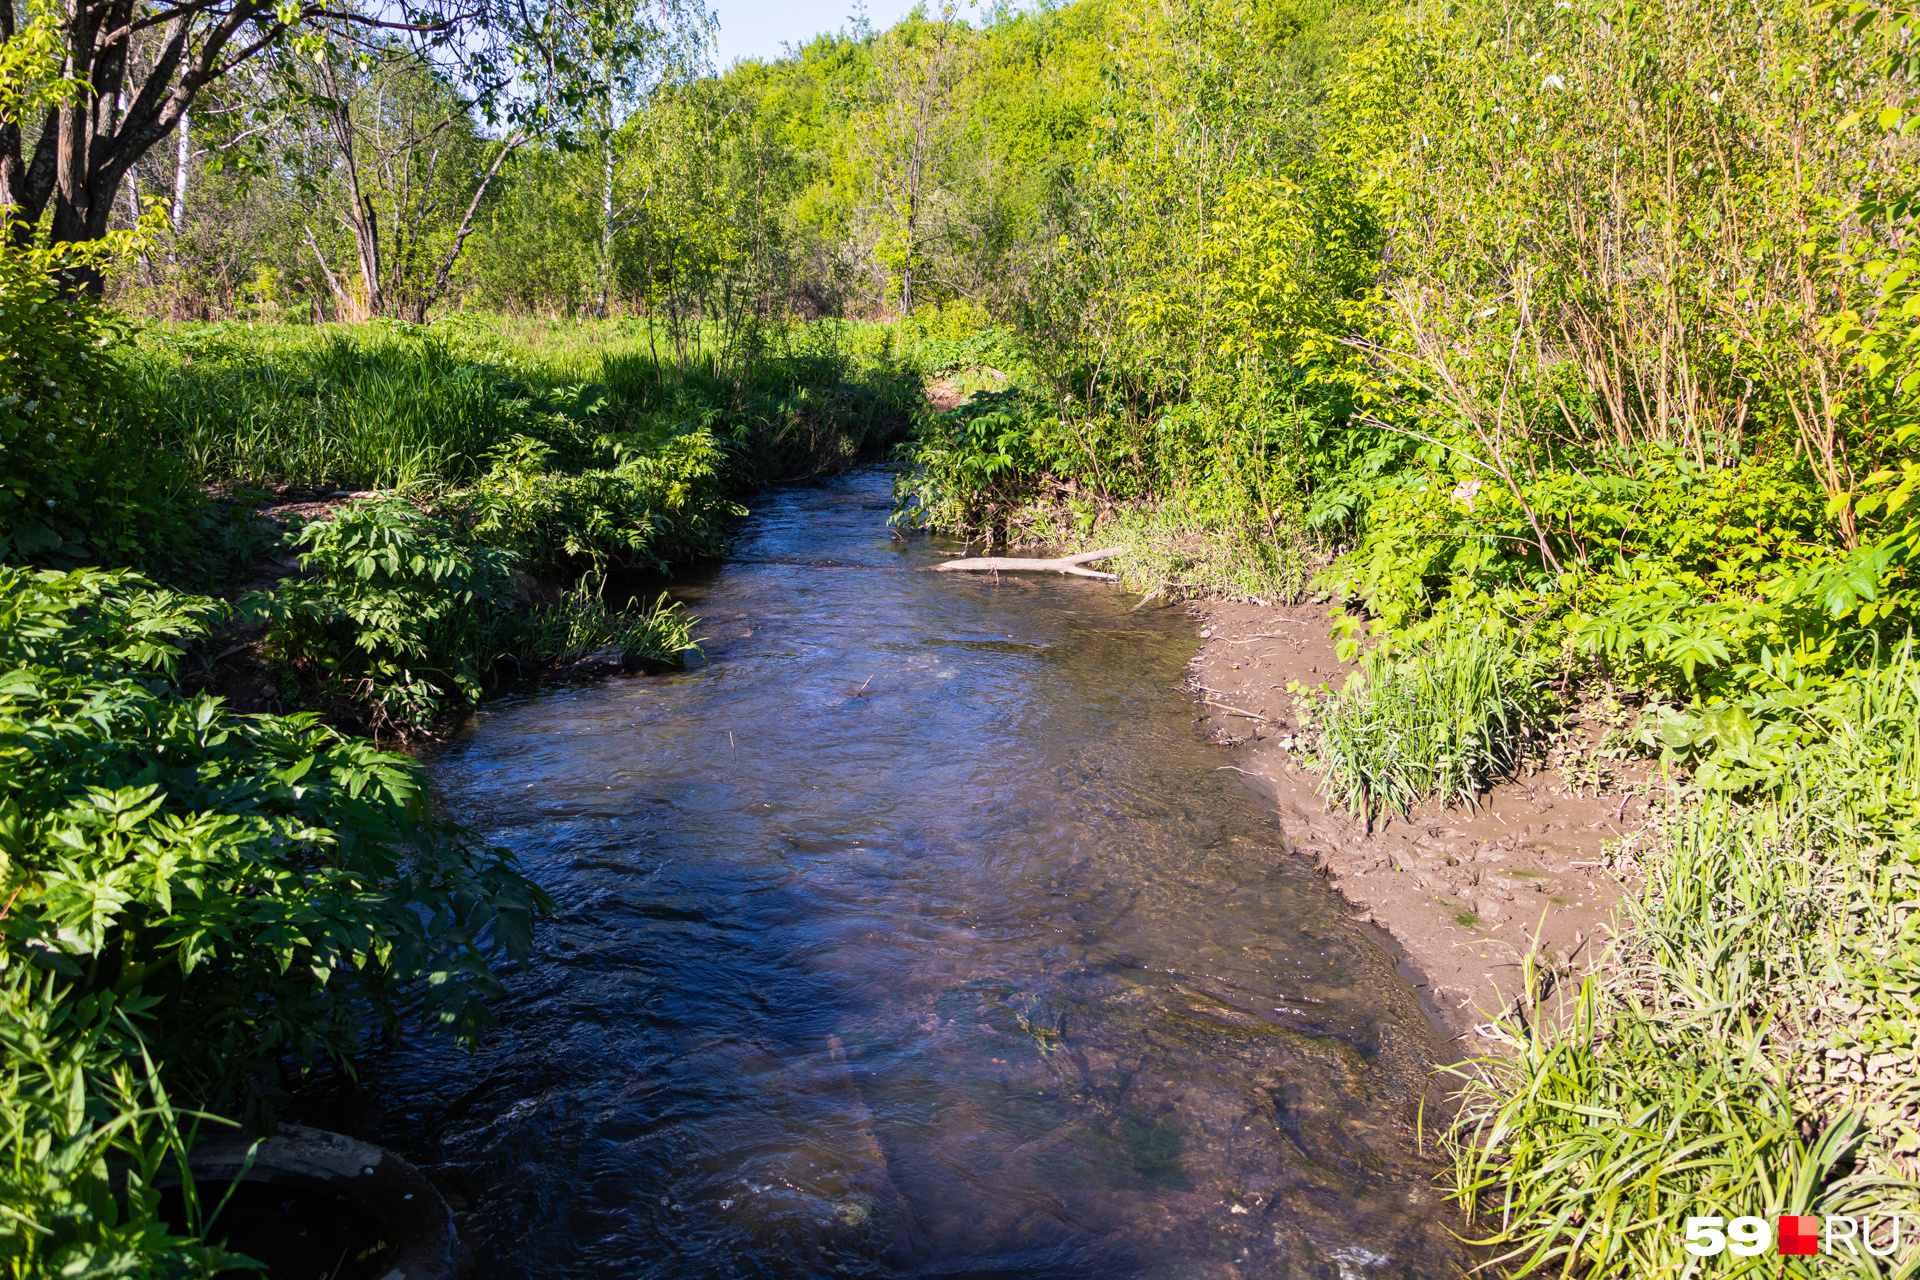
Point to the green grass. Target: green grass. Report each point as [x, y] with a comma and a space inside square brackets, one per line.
[582, 623]
[1446, 720]
[1752, 1050]
[1182, 550]
[390, 406]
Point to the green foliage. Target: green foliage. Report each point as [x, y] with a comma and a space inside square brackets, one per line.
[378, 408]
[656, 506]
[1447, 719]
[581, 623]
[396, 613]
[1746, 1055]
[77, 487]
[87, 1137]
[971, 465]
[195, 901]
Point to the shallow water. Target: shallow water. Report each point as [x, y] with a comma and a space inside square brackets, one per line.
[916, 934]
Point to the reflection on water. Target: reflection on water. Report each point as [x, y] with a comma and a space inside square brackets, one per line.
[916, 934]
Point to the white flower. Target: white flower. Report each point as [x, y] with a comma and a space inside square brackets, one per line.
[49, 437]
[49, 504]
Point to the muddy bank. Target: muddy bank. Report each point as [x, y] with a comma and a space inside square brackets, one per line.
[1466, 894]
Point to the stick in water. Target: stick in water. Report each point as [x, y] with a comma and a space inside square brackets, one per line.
[1011, 564]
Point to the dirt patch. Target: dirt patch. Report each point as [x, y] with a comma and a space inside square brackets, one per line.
[1464, 893]
[943, 394]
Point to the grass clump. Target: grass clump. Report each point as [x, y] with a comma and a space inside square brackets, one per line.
[582, 623]
[1447, 719]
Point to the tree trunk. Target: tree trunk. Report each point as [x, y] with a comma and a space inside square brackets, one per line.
[606, 223]
[177, 211]
[83, 149]
[432, 294]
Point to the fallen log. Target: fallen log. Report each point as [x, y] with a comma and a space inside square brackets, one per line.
[1014, 564]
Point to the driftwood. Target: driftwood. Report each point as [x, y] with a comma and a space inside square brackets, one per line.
[1009, 564]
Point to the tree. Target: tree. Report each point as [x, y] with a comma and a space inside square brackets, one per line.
[909, 136]
[134, 68]
[407, 160]
[620, 55]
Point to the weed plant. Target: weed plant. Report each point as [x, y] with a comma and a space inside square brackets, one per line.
[660, 504]
[1447, 719]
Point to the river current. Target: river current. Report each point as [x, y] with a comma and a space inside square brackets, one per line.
[915, 933]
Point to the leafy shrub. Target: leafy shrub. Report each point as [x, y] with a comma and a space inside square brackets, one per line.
[396, 613]
[194, 900]
[81, 483]
[656, 506]
[970, 465]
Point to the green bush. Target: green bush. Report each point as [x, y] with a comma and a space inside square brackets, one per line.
[396, 613]
[195, 902]
[81, 484]
[656, 506]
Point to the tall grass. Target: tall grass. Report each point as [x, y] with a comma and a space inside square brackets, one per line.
[1753, 1051]
[388, 406]
[327, 406]
[1447, 720]
[1175, 550]
[87, 1137]
[582, 623]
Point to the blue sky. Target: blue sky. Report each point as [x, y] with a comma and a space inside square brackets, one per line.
[757, 28]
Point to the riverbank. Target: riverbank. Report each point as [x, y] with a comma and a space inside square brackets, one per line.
[1466, 893]
[247, 547]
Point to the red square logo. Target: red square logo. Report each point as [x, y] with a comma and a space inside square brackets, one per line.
[1797, 1234]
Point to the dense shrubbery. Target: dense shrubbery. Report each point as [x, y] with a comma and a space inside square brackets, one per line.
[401, 616]
[197, 902]
[655, 507]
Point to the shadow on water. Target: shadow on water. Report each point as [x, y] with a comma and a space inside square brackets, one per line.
[915, 934]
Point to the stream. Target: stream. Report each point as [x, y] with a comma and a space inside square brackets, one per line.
[916, 933]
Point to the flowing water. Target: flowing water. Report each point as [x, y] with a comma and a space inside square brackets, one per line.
[915, 934]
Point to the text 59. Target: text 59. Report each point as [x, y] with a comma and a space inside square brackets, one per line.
[1744, 1237]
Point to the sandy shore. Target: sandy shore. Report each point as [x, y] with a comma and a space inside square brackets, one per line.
[1464, 894]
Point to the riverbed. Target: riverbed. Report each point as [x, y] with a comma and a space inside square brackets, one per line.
[916, 932]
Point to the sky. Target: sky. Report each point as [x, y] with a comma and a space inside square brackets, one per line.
[757, 28]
